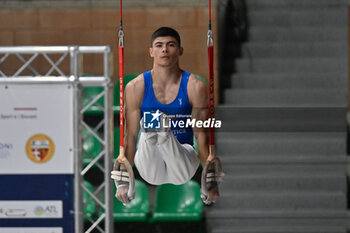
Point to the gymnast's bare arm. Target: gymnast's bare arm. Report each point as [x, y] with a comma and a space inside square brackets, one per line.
[133, 99]
[198, 96]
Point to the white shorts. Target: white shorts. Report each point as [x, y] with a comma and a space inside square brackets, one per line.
[160, 159]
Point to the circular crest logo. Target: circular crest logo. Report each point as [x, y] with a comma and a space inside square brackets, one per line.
[38, 210]
[40, 148]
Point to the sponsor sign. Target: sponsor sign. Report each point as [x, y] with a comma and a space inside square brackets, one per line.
[31, 230]
[31, 209]
[36, 129]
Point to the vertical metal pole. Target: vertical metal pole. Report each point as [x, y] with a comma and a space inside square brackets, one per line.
[108, 134]
[78, 197]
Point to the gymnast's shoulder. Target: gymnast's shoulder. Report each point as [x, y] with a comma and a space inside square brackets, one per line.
[196, 86]
[136, 85]
[135, 88]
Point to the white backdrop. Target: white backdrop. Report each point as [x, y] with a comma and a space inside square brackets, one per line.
[36, 129]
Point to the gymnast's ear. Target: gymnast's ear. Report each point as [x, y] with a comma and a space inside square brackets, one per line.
[181, 51]
[151, 52]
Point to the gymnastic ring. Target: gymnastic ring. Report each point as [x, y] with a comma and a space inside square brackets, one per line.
[116, 167]
[218, 177]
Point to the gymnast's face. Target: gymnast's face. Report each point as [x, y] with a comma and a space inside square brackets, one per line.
[165, 51]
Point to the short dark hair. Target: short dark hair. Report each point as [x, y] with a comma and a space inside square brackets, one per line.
[166, 31]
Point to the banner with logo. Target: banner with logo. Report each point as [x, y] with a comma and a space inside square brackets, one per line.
[36, 129]
[31, 230]
[31, 209]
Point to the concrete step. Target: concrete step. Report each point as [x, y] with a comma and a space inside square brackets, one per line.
[279, 143]
[282, 201]
[283, 159]
[243, 165]
[298, 18]
[283, 138]
[240, 166]
[218, 228]
[297, 4]
[288, 182]
[276, 221]
[288, 65]
[289, 80]
[300, 34]
[288, 50]
[275, 214]
[286, 98]
[277, 169]
[281, 119]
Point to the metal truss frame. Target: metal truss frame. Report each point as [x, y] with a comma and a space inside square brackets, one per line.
[102, 195]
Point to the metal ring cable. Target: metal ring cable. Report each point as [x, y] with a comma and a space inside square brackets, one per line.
[212, 159]
[122, 158]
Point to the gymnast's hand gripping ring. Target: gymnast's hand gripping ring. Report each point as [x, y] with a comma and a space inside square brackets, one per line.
[127, 177]
[207, 177]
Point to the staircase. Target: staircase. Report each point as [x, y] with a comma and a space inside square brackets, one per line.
[283, 140]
